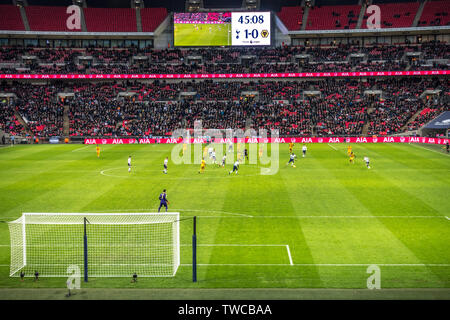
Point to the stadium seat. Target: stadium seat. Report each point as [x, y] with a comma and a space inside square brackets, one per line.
[291, 17]
[151, 18]
[110, 19]
[333, 17]
[47, 18]
[395, 15]
[435, 13]
[10, 18]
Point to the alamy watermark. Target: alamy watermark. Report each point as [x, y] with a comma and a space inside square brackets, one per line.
[257, 153]
[374, 20]
[73, 22]
[374, 280]
[74, 279]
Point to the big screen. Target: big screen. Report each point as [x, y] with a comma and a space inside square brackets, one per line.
[222, 29]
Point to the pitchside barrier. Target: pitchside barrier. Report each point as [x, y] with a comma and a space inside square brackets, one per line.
[229, 75]
[441, 141]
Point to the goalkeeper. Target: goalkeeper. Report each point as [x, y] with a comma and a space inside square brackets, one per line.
[163, 200]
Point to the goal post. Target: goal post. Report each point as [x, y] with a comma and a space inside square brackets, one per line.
[108, 245]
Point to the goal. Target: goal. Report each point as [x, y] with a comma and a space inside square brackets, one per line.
[100, 244]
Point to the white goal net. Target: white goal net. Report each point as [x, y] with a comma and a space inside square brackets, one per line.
[118, 245]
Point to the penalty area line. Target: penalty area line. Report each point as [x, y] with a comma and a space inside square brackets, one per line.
[332, 147]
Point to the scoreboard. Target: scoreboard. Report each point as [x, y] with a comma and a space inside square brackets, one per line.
[222, 29]
[250, 28]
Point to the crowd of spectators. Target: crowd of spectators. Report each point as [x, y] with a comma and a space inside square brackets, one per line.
[427, 115]
[156, 108]
[8, 121]
[332, 58]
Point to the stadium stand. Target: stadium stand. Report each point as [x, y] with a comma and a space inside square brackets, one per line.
[281, 59]
[292, 17]
[342, 106]
[110, 19]
[152, 17]
[435, 13]
[337, 107]
[47, 18]
[10, 18]
[396, 15]
[333, 17]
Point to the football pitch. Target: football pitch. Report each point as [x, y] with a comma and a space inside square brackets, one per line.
[205, 35]
[319, 225]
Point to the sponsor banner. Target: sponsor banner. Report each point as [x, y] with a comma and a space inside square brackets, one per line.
[54, 140]
[228, 75]
[110, 141]
[275, 140]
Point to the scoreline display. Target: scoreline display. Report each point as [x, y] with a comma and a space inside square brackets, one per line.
[222, 29]
[250, 28]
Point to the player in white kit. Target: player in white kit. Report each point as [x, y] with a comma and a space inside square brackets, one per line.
[235, 168]
[166, 161]
[304, 148]
[224, 158]
[367, 161]
[210, 151]
[129, 164]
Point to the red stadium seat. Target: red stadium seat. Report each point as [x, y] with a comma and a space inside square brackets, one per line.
[47, 18]
[10, 18]
[333, 17]
[110, 19]
[396, 15]
[435, 13]
[151, 18]
[291, 17]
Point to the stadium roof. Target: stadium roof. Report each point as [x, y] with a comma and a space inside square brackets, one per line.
[441, 122]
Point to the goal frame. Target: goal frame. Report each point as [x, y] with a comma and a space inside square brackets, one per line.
[176, 247]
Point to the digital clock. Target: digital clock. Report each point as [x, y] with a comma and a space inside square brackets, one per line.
[250, 29]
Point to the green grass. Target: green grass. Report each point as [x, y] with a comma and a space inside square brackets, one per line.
[206, 35]
[336, 218]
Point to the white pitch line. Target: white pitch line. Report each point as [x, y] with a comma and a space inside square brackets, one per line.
[309, 264]
[447, 218]
[332, 147]
[241, 215]
[289, 255]
[237, 245]
[80, 148]
[177, 210]
[420, 147]
[318, 264]
[326, 217]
